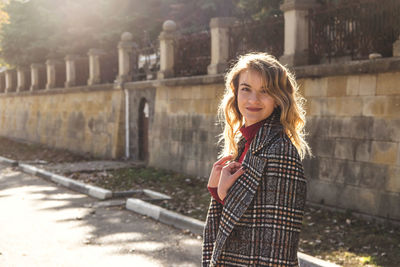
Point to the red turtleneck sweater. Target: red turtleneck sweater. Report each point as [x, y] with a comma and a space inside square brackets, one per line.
[248, 133]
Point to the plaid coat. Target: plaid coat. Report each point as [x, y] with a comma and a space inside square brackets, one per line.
[260, 223]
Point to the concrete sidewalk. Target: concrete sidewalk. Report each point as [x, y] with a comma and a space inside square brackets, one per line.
[45, 225]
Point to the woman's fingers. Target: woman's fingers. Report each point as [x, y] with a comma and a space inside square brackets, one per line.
[223, 160]
[232, 167]
[228, 177]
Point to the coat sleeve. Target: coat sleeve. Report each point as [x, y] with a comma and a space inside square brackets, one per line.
[285, 190]
[210, 230]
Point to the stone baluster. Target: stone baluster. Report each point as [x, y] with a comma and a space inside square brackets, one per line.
[35, 76]
[94, 66]
[167, 50]
[51, 73]
[219, 44]
[10, 81]
[21, 79]
[70, 69]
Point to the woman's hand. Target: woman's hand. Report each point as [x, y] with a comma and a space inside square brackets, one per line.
[229, 174]
[216, 171]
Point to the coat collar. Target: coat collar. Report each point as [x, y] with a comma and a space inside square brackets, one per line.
[265, 134]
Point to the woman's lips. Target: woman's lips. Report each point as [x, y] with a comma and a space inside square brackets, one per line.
[254, 109]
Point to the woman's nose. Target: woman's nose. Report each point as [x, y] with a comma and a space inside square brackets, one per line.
[253, 97]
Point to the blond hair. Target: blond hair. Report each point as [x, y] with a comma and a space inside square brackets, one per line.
[282, 87]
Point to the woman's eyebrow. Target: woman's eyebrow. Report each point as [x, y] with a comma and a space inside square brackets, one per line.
[245, 84]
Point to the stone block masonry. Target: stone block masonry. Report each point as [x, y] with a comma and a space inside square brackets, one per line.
[83, 120]
[354, 126]
[184, 134]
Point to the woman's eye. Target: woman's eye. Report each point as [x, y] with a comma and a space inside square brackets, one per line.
[245, 89]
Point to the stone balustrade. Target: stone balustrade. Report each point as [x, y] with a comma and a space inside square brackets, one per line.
[74, 70]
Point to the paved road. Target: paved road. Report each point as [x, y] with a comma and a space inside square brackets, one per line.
[42, 224]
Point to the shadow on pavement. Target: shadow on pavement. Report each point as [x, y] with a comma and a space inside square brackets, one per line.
[123, 232]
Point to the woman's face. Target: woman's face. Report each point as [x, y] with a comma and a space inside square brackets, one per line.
[255, 104]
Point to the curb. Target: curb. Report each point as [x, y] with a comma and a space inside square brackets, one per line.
[155, 195]
[9, 162]
[139, 206]
[165, 216]
[310, 261]
[90, 190]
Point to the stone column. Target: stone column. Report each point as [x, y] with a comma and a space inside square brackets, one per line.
[10, 84]
[51, 73]
[35, 83]
[70, 69]
[219, 44]
[167, 50]
[94, 66]
[296, 31]
[21, 79]
[396, 48]
[125, 62]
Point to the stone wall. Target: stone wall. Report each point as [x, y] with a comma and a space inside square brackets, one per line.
[83, 120]
[184, 132]
[354, 131]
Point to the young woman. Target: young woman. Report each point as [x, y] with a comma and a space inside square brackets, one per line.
[258, 186]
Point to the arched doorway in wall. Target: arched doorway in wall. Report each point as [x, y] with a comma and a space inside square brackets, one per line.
[143, 130]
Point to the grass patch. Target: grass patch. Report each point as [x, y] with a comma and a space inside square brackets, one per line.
[15, 150]
[349, 241]
[189, 194]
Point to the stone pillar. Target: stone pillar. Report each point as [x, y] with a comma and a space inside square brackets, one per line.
[94, 66]
[396, 48]
[35, 83]
[296, 31]
[51, 73]
[10, 84]
[70, 69]
[219, 44]
[21, 79]
[167, 50]
[125, 60]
